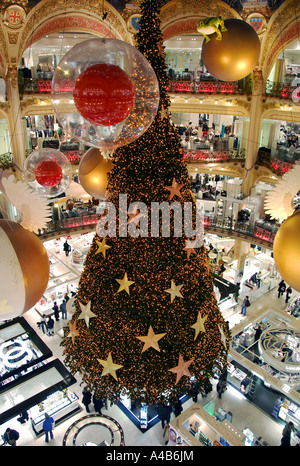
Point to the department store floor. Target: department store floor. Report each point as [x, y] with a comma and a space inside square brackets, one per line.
[245, 413]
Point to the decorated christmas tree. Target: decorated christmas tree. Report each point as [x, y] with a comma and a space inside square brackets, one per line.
[147, 324]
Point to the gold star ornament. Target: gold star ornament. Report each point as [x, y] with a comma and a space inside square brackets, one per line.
[151, 340]
[109, 367]
[124, 284]
[174, 189]
[86, 312]
[102, 246]
[174, 291]
[182, 368]
[199, 325]
[73, 331]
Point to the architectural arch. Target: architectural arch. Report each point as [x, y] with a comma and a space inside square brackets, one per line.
[283, 28]
[59, 16]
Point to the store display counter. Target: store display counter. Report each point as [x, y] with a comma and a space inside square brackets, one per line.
[196, 427]
[58, 405]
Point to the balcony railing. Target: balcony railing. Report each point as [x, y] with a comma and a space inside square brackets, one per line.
[281, 90]
[215, 156]
[35, 86]
[261, 230]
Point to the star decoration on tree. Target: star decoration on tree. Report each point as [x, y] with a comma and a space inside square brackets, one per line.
[102, 246]
[174, 189]
[174, 291]
[151, 340]
[189, 248]
[86, 312]
[109, 367]
[223, 338]
[182, 368]
[73, 331]
[199, 325]
[135, 216]
[124, 284]
[164, 113]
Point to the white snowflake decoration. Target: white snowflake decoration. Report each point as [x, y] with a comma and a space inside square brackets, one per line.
[278, 201]
[34, 210]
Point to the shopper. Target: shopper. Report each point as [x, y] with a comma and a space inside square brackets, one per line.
[43, 323]
[56, 311]
[11, 436]
[63, 309]
[67, 248]
[48, 426]
[221, 386]
[166, 434]
[86, 398]
[286, 435]
[288, 294]
[245, 304]
[98, 404]
[178, 408]
[50, 327]
[281, 288]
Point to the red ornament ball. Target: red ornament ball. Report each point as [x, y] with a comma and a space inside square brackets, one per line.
[48, 173]
[104, 94]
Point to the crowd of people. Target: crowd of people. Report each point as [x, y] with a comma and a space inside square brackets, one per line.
[46, 323]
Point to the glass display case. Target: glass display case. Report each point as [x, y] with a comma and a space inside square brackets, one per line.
[58, 405]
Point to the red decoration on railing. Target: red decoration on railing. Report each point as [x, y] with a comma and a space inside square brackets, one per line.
[205, 156]
[279, 167]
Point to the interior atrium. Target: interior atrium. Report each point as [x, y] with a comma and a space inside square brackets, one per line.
[239, 139]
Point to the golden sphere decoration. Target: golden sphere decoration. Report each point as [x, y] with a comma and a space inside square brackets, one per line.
[24, 269]
[93, 170]
[236, 55]
[286, 250]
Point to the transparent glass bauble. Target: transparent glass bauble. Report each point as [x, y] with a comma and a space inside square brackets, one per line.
[105, 93]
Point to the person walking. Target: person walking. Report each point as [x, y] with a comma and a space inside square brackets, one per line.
[98, 404]
[43, 323]
[281, 288]
[11, 436]
[166, 433]
[245, 304]
[288, 294]
[56, 311]
[286, 434]
[63, 309]
[50, 327]
[86, 398]
[66, 248]
[48, 426]
[221, 386]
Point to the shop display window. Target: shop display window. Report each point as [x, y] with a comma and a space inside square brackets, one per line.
[21, 350]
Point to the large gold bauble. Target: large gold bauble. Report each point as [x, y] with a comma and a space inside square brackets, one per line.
[93, 170]
[286, 250]
[236, 55]
[24, 269]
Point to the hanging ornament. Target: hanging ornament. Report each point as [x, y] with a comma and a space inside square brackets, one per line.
[102, 246]
[124, 284]
[92, 172]
[279, 200]
[235, 54]
[105, 93]
[174, 189]
[33, 209]
[48, 172]
[24, 269]
[199, 325]
[86, 313]
[286, 250]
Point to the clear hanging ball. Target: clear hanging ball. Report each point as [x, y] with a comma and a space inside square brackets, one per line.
[48, 172]
[105, 93]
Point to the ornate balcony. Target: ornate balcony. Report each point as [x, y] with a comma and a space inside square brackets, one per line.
[281, 90]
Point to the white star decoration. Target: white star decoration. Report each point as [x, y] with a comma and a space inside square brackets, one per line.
[86, 312]
[174, 291]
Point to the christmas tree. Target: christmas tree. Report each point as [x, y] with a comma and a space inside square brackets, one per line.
[147, 324]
